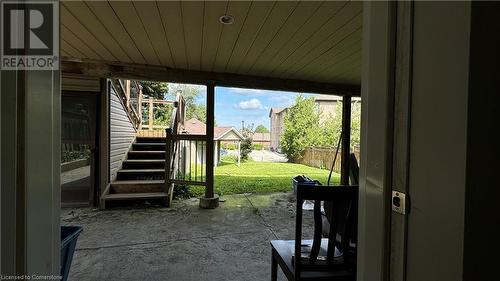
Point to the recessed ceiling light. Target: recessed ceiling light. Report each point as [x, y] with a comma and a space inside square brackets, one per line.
[226, 19]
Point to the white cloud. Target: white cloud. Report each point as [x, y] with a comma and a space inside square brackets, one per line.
[251, 104]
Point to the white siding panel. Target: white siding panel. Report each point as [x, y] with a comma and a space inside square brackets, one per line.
[122, 134]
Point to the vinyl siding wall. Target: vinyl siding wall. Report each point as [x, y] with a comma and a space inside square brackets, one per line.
[122, 134]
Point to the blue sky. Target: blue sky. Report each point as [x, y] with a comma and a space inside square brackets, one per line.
[232, 105]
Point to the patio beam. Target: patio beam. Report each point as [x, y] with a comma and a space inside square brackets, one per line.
[105, 69]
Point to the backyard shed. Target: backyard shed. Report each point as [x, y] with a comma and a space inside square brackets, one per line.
[221, 134]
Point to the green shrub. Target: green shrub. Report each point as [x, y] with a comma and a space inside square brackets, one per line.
[68, 156]
[246, 148]
[230, 146]
[257, 146]
[182, 191]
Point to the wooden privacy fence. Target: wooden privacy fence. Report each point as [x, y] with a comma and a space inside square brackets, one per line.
[322, 157]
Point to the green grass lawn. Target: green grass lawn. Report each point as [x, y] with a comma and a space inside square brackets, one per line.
[259, 177]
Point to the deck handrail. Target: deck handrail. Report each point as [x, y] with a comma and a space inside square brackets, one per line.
[189, 137]
[124, 91]
[176, 146]
[151, 102]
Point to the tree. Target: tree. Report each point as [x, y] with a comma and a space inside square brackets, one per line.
[246, 144]
[166, 91]
[332, 126]
[355, 123]
[301, 127]
[190, 93]
[153, 89]
[261, 129]
[245, 148]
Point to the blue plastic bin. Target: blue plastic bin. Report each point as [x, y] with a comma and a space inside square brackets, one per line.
[69, 235]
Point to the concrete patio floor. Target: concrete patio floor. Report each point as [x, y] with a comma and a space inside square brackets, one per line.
[183, 243]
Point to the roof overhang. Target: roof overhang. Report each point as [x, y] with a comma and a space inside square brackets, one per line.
[103, 69]
[300, 46]
[232, 129]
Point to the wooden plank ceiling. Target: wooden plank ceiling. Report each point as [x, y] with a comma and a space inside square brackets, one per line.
[304, 40]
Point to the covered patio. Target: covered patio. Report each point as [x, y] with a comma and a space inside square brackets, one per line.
[306, 47]
[184, 242]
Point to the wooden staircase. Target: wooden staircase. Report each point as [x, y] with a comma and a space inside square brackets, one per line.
[142, 176]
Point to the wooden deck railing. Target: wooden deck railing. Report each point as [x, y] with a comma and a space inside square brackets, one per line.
[130, 93]
[187, 159]
[184, 153]
[152, 106]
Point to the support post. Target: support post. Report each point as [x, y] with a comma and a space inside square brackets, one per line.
[151, 115]
[139, 109]
[239, 153]
[127, 93]
[346, 140]
[210, 200]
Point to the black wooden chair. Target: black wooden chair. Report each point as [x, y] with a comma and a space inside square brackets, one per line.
[332, 258]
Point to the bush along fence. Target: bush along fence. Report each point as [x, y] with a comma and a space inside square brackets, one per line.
[322, 157]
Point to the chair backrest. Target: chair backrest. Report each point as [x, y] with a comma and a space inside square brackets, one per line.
[354, 170]
[343, 202]
[343, 226]
[346, 223]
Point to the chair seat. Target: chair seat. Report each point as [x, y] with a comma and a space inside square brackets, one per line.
[283, 252]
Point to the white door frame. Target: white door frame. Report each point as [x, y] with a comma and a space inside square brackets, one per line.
[376, 141]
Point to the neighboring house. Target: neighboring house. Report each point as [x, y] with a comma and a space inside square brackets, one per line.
[263, 139]
[277, 116]
[325, 104]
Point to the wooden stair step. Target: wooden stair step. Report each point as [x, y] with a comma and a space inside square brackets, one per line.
[150, 140]
[149, 143]
[142, 171]
[133, 196]
[144, 164]
[145, 160]
[138, 182]
[140, 174]
[152, 146]
[160, 154]
[136, 186]
[147, 151]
